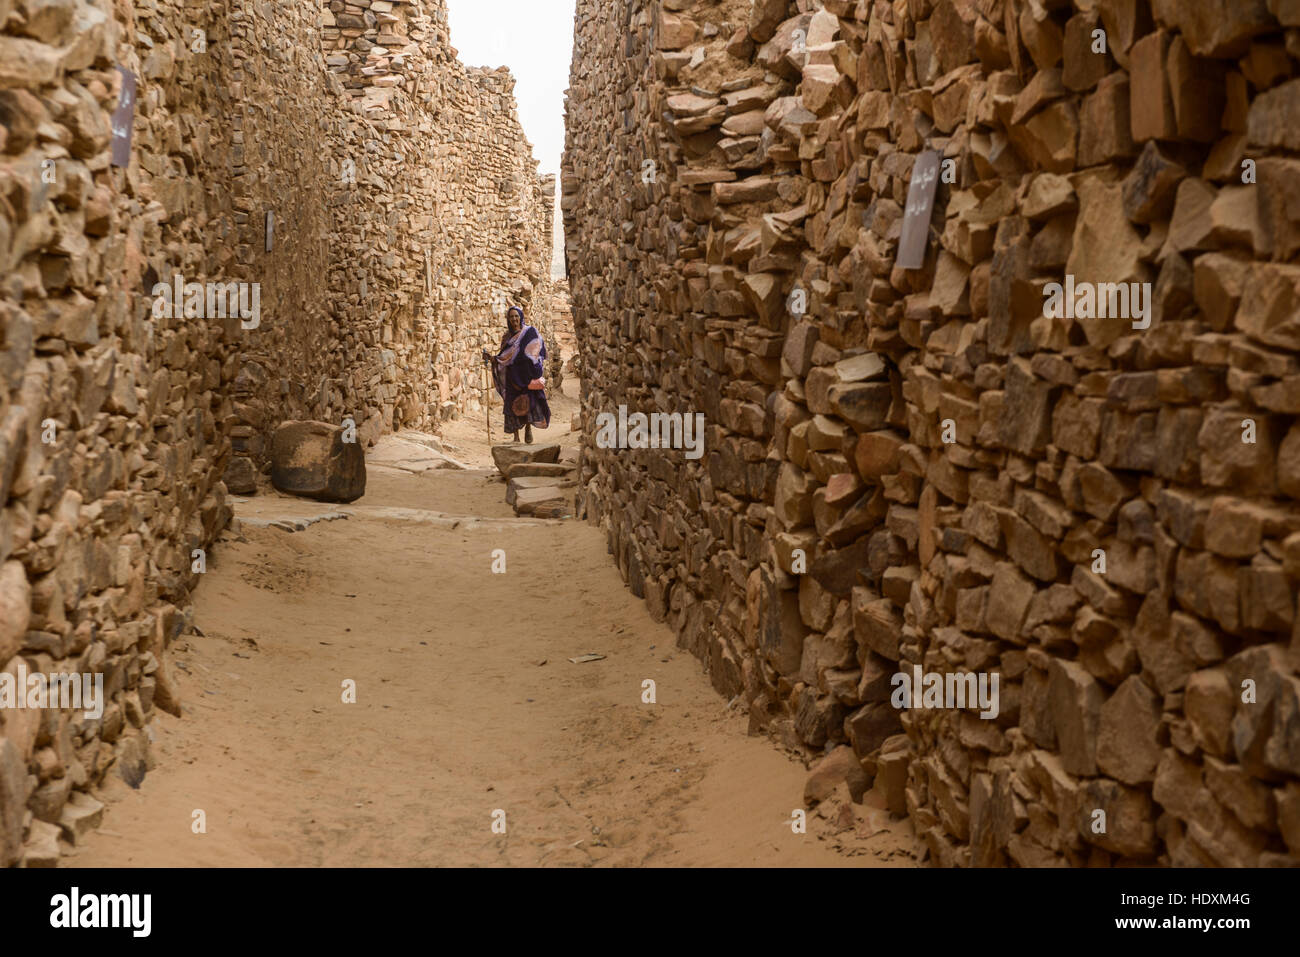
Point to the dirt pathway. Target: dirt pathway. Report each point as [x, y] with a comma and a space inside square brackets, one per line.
[466, 704]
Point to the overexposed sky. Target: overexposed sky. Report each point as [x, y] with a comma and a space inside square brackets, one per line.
[534, 38]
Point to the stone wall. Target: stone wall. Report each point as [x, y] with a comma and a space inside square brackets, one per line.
[402, 176]
[112, 440]
[1104, 517]
[118, 422]
[560, 341]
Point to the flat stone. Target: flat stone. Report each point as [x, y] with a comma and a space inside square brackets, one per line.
[528, 500]
[552, 510]
[540, 469]
[507, 455]
[534, 483]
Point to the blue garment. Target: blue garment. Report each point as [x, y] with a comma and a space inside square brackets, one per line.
[521, 361]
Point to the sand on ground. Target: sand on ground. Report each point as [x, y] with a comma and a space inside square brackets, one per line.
[467, 713]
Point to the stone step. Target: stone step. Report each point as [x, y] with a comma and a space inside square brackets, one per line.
[549, 469]
[548, 499]
[507, 455]
[528, 483]
[553, 510]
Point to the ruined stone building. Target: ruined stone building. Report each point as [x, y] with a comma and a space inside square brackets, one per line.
[991, 307]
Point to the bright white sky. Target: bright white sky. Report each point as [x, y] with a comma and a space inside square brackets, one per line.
[534, 38]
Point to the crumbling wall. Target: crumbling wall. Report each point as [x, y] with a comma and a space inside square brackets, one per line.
[119, 419]
[933, 467]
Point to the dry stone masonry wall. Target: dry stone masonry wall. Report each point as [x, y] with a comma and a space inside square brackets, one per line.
[410, 178]
[937, 468]
[111, 443]
[403, 199]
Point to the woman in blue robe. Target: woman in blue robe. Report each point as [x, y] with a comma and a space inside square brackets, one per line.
[517, 375]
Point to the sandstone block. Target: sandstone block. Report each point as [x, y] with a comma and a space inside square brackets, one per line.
[870, 726]
[13, 798]
[15, 608]
[1215, 28]
[506, 456]
[840, 767]
[1151, 104]
[1130, 827]
[877, 625]
[311, 459]
[1077, 699]
[81, 815]
[241, 476]
[1128, 745]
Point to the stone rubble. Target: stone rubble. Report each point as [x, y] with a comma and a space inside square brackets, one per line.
[538, 482]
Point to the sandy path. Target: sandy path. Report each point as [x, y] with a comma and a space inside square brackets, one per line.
[466, 704]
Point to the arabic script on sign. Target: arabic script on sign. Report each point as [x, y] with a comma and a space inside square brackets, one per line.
[915, 234]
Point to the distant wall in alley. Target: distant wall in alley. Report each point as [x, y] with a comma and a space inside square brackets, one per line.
[408, 210]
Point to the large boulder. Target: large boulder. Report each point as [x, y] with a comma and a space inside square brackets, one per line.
[312, 460]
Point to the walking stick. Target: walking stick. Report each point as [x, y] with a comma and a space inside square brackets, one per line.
[487, 400]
